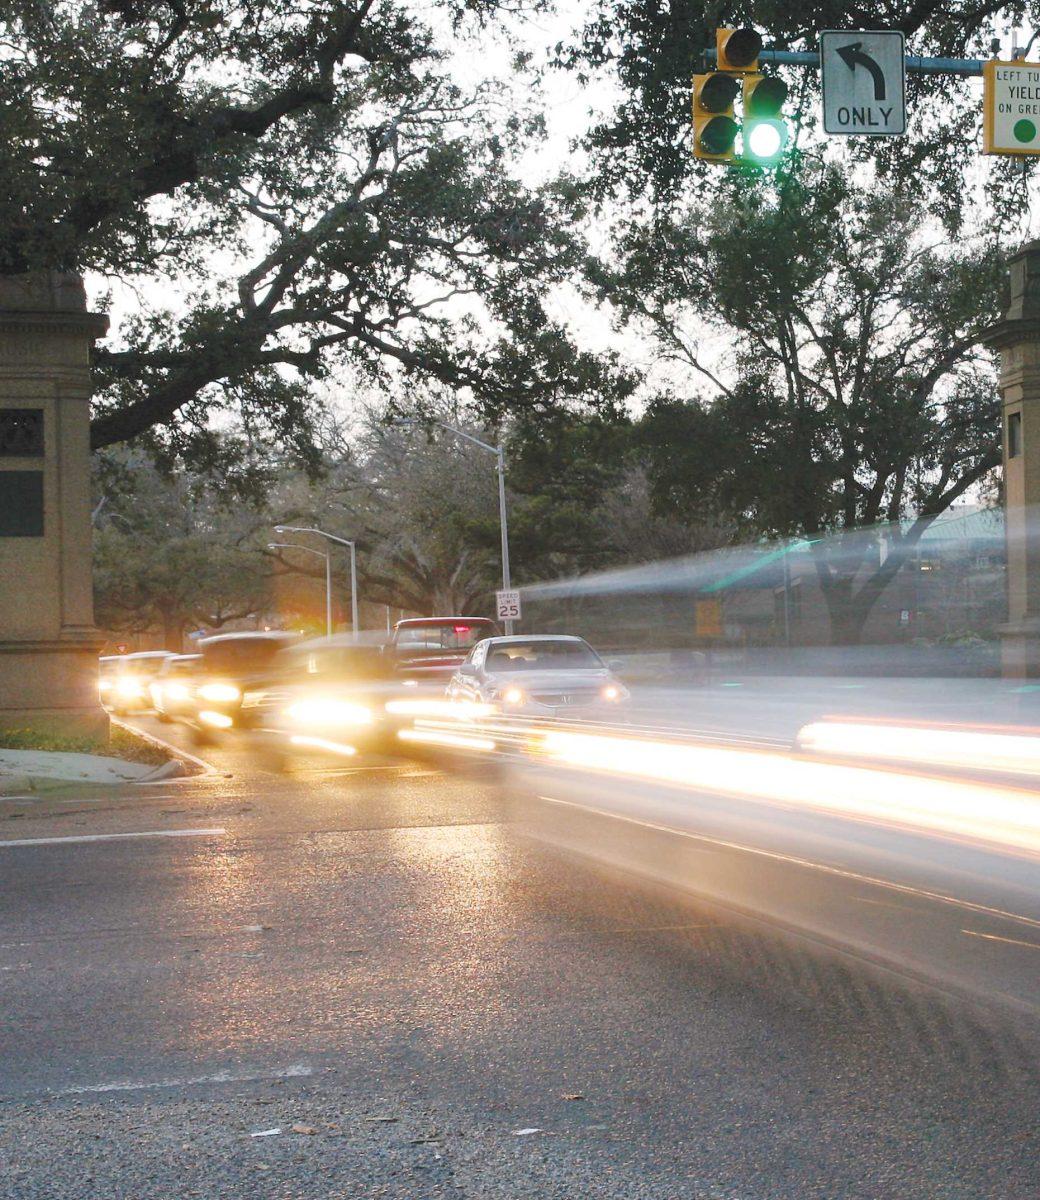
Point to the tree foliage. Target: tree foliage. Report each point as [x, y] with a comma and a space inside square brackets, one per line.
[172, 554]
[309, 187]
[854, 391]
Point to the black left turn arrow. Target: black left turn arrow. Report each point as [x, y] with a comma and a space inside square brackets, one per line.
[855, 56]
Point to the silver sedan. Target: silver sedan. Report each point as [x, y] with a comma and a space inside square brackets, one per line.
[540, 675]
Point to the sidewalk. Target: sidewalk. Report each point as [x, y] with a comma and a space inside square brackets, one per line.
[43, 770]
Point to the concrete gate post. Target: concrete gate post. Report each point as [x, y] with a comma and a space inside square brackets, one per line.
[48, 642]
[1017, 337]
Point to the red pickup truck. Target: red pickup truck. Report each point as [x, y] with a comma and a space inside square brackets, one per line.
[431, 648]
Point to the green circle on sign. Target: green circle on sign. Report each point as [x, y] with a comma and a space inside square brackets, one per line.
[1025, 131]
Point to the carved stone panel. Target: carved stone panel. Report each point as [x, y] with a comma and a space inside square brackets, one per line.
[21, 433]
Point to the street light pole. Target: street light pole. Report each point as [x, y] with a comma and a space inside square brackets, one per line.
[331, 537]
[328, 592]
[500, 467]
[503, 521]
[327, 556]
[353, 590]
[322, 553]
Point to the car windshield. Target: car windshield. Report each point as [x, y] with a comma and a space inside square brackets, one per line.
[182, 666]
[442, 636]
[364, 664]
[543, 656]
[241, 655]
[142, 666]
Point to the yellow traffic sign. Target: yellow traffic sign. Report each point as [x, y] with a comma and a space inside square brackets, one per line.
[708, 614]
[1010, 107]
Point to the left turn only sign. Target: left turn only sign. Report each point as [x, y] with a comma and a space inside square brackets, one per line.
[1010, 108]
[864, 82]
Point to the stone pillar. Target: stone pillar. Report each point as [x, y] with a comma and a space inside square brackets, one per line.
[1017, 337]
[48, 643]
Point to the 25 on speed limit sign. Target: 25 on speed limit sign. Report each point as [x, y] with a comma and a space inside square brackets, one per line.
[508, 605]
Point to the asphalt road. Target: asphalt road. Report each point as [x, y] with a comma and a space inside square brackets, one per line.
[378, 963]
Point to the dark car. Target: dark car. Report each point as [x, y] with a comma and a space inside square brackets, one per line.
[234, 669]
[328, 696]
[432, 648]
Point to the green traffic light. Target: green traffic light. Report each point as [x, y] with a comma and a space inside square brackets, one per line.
[764, 141]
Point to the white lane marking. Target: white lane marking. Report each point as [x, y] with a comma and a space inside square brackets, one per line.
[293, 1071]
[176, 751]
[993, 937]
[114, 837]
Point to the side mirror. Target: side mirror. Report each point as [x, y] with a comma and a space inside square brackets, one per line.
[467, 669]
[616, 664]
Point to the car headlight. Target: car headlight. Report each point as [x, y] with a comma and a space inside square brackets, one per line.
[613, 691]
[128, 688]
[218, 720]
[175, 691]
[220, 693]
[513, 695]
[328, 711]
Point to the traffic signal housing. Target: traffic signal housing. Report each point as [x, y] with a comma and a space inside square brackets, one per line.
[737, 49]
[764, 130]
[714, 128]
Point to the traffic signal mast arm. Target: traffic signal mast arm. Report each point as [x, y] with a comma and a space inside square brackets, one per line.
[811, 58]
[758, 135]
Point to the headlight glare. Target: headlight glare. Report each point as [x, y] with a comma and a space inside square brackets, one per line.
[220, 693]
[325, 711]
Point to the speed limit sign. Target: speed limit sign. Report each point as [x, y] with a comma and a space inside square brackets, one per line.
[508, 604]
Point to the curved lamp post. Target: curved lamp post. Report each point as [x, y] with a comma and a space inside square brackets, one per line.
[331, 537]
[327, 556]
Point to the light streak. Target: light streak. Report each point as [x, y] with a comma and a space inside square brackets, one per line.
[218, 720]
[316, 743]
[323, 711]
[458, 710]
[1012, 751]
[973, 811]
[444, 737]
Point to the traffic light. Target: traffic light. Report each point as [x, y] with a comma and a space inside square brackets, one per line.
[737, 49]
[764, 130]
[714, 129]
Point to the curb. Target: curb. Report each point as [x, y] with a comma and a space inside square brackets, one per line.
[204, 768]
